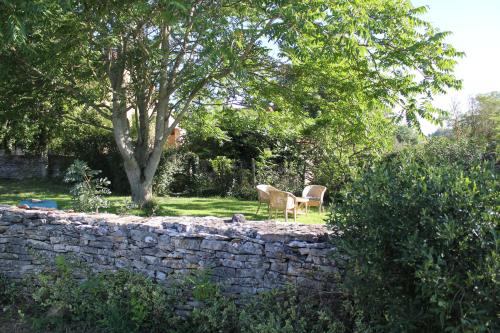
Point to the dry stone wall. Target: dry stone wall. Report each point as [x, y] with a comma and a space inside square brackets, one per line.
[20, 167]
[27, 166]
[245, 258]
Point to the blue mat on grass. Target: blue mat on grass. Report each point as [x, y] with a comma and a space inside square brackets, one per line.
[39, 203]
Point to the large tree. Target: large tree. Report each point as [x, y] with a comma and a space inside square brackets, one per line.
[141, 66]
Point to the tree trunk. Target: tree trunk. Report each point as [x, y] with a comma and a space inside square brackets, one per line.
[142, 192]
[139, 172]
[141, 188]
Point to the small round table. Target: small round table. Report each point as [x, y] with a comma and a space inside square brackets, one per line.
[303, 201]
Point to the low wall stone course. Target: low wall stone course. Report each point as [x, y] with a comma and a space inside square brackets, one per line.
[244, 257]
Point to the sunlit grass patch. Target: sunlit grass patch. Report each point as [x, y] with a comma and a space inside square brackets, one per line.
[13, 191]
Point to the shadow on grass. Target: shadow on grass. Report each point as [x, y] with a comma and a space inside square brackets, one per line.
[13, 191]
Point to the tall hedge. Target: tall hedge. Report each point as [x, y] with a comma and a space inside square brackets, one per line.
[421, 230]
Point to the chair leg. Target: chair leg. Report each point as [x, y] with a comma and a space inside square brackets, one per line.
[286, 216]
[258, 208]
[294, 215]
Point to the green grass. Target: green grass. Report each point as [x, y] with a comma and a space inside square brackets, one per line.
[13, 191]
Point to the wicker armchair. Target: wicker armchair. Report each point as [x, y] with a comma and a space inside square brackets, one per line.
[315, 194]
[283, 201]
[263, 194]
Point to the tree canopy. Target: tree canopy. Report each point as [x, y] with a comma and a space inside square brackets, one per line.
[138, 68]
[482, 121]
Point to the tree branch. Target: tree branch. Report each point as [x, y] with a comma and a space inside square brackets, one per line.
[81, 121]
[175, 66]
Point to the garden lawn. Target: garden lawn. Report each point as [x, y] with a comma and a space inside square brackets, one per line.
[13, 191]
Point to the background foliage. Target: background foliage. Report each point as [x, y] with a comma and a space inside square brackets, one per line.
[331, 77]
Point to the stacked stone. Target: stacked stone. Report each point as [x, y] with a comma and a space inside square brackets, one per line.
[20, 167]
[246, 258]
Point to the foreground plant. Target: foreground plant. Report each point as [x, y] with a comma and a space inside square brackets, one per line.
[57, 299]
[421, 230]
[87, 191]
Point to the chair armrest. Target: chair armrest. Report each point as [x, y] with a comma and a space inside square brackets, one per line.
[323, 194]
[293, 197]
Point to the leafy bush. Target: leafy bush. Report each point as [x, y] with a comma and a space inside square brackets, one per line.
[69, 297]
[97, 148]
[290, 311]
[55, 291]
[420, 230]
[223, 168]
[125, 302]
[286, 311]
[183, 172]
[243, 186]
[171, 164]
[111, 301]
[284, 175]
[219, 176]
[150, 207]
[8, 291]
[87, 191]
[218, 314]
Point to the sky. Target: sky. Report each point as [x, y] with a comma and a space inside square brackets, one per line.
[475, 27]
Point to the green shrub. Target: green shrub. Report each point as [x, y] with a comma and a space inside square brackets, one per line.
[290, 311]
[110, 301]
[125, 302]
[55, 293]
[243, 188]
[217, 314]
[171, 164]
[278, 311]
[8, 292]
[95, 146]
[223, 168]
[69, 297]
[87, 191]
[421, 232]
[285, 175]
[151, 207]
